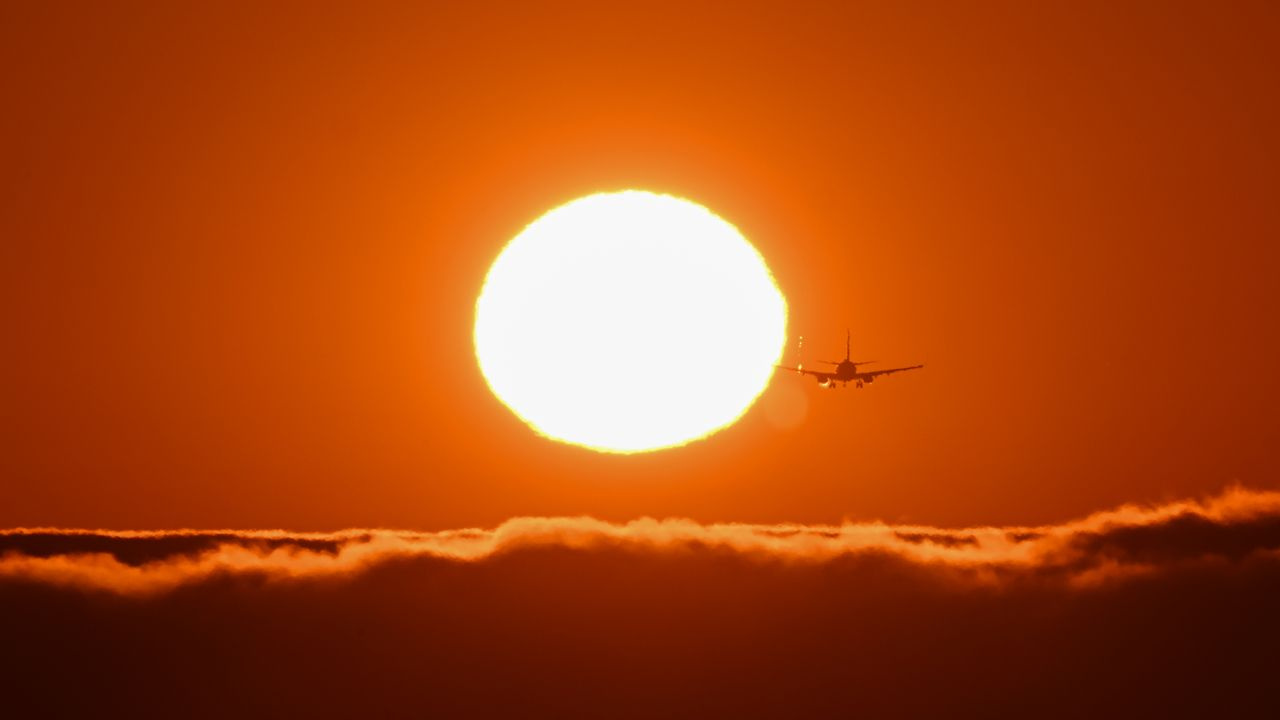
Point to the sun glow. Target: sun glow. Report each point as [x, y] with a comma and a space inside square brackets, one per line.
[629, 321]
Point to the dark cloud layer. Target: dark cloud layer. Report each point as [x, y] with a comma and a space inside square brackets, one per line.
[1143, 612]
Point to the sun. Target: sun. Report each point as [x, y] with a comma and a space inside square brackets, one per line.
[629, 321]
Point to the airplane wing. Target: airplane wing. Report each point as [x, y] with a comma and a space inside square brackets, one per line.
[877, 373]
[821, 376]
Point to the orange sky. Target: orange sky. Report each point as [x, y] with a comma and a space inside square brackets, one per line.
[241, 248]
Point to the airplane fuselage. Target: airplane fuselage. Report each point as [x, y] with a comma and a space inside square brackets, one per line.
[846, 371]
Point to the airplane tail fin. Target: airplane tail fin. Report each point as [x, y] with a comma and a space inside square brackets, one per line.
[848, 354]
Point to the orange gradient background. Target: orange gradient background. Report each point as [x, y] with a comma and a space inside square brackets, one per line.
[242, 247]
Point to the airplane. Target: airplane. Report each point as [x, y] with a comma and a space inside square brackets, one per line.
[846, 370]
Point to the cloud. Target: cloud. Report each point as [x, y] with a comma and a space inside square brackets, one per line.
[1162, 611]
[1106, 546]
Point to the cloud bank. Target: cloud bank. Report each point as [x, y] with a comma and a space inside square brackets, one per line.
[1166, 610]
[1128, 541]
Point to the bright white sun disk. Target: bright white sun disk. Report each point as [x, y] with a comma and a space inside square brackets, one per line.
[629, 321]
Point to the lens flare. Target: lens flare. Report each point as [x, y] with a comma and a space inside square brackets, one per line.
[629, 321]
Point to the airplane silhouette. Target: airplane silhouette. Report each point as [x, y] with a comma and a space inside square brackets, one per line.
[846, 370]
